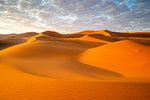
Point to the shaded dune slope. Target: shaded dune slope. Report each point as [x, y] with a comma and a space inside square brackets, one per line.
[52, 33]
[129, 34]
[9, 40]
[103, 37]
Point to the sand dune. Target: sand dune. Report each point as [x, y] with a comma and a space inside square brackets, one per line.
[103, 37]
[41, 37]
[62, 68]
[116, 34]
[126, 57]
[43, 48]
[129, 34]
[52, 33]
[17, 85]
[8, 42]
[88, 38]
[85, 40]
[56, 59]
[24, 35]
[6, 35]
[53, 66]
[138, 32]
[88, 32]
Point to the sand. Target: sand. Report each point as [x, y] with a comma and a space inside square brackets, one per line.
[88, 38]
[18, 85]
[46, 68]
[125, 57]
[88, 32]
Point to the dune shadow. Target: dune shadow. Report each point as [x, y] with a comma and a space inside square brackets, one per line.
[70, 66]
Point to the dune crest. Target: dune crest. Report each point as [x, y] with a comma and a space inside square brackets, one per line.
[34, 38]
[126, 57]
[87, 38]
[88, 32]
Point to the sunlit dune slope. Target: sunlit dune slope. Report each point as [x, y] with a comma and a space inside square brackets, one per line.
[43, 48]
[126, 57]
[88, 32]
[41, 37]
[53, 59]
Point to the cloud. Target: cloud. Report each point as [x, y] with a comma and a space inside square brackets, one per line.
[68, 16]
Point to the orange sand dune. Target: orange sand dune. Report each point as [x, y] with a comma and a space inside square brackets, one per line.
[8, 42]
[103, 37]
[24, 35]
[46, 68]
[143, 41]
[87, 38]
[88, 32]
[41, 37]
[43, 48]
[53, 59]
[130, 34]
[52, 33]
[18, 85]
[7, 35]
[126, 57]
[138, 32]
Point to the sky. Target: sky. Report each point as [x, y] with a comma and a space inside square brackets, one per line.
[70, 16]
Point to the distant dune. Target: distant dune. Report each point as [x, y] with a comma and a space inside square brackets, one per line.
[42, 37]
[52, 33]
[88, 32]
[129, 34]
[104, 38]
[9, 40]
[88, 38]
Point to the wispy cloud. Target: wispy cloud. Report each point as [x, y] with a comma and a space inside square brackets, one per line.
[69, 16]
